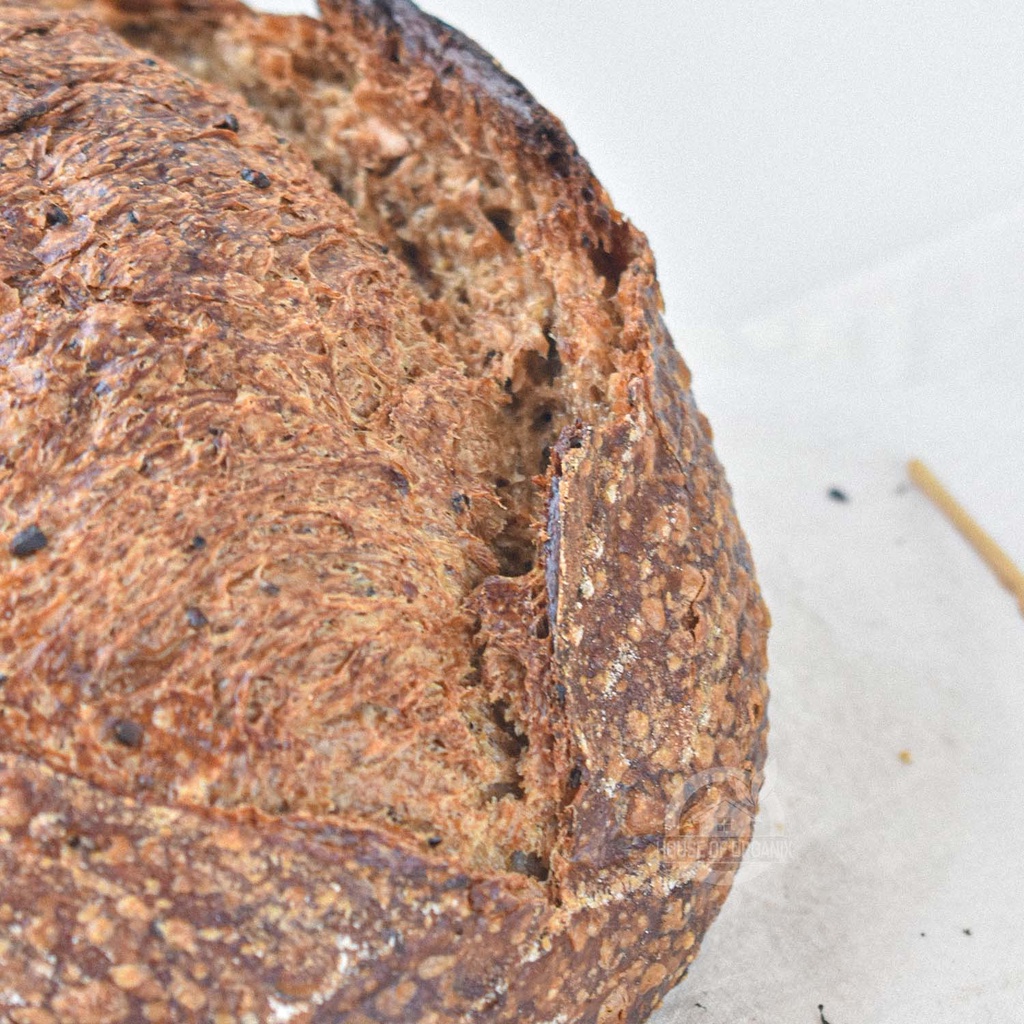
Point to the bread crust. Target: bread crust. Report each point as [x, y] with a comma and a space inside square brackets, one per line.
[117, 907]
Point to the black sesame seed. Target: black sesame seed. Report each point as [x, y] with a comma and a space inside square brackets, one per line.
[198, 543]
[27, 542]
[256, 178]
[229, 123]
[837, 495]
[400, 480]
[101, 389]
[271, 589]
[575, 777]
[133, 217]
[149, 62]
[195, 618]
[126, 732]
[56, 217]
[434, 841]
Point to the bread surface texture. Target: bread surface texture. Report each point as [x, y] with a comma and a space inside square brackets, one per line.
[377, 639]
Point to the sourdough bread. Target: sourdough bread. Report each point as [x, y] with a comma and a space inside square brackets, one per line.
[387, 647]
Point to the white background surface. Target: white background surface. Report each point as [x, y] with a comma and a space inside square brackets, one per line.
[835, 194]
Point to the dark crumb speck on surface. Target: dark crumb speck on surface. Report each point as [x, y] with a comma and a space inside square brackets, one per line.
[821, 1013]
[967, 931]
[255, 178]
[3, 678]
[836, 494]
[28, 541]
[56, 217]
[528, 864]
[195, 618]
[126, 732]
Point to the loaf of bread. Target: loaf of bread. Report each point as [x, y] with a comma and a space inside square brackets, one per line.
[377, 638]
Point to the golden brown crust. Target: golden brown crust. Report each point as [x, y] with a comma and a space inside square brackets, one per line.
[227, 357]
[630, 656]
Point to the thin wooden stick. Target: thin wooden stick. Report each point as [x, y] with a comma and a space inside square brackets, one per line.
[991, 553]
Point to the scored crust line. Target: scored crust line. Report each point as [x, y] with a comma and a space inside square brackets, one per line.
[1006, 570]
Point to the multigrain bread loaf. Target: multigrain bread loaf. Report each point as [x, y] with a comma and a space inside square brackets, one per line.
[377, 639]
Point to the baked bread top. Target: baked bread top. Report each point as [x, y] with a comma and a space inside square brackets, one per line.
[375, 538]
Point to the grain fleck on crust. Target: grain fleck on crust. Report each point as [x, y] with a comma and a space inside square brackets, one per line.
[378, 642]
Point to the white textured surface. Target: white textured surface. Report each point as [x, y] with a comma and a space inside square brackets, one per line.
[889, 635]
[834, 193]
